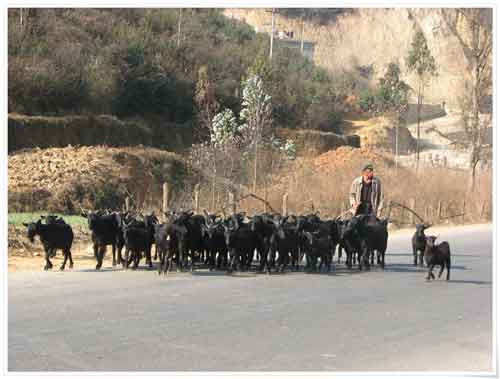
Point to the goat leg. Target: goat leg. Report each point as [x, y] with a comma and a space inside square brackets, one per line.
[70, 259]
[168, 263]
[441, 271]
[137, 259]
[430, 274]
[65, 252]
[148, 256]
[95, 247]
[113, 248]
[126, 262]
[161, 262]
[120, 258]
[231, 262]
[48, 264]
[193, 260]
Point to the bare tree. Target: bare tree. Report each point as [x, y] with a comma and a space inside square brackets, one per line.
[256, 113]
[473, 29]
[179, 28]
[205, 98]
[207, 107]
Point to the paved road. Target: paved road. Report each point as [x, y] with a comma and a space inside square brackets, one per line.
[390, 320]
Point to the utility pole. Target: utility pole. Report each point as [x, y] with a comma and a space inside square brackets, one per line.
[272, 36]
[179, 29]
[397, 146]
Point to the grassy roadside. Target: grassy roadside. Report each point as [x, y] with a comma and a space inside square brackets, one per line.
[18, 218]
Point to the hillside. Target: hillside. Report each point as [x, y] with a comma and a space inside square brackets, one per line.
[48, 131]
[360, 42]
[65, 179]
[133, 65]
[85, 85]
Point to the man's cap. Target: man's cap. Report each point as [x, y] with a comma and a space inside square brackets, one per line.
[368, 166]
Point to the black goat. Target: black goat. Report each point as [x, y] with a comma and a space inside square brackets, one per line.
[372, 235]
[137, 241]
[263, 228]
[285, 240]
[418, 243]
[215, 243]
[331, 228]
[52, 219]
[341, 225]
[319, 245]
[241, 243]
[148, 223]
[437, 255]
[53, 236]
[106, 230]
[350, 241]
[164, 246]
[187, 228]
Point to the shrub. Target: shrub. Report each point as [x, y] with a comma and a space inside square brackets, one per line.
[366, 100]
[109, 196]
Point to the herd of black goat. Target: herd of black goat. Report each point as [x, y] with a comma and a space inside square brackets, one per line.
[233, 242]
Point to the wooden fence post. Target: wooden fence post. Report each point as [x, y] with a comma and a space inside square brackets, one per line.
[463, 212]
[440, 204]
[412, 207]
[285, 205]
[265, 195]
[403, 211]
[197, 198]
[231, 201]
[165, 197]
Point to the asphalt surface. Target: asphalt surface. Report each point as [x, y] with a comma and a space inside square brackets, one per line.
[390, 320]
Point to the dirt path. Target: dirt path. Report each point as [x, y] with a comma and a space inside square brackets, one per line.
[83, 257]
[437, 148]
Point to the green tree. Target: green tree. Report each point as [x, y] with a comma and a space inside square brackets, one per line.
[392, 98]
[421, 62]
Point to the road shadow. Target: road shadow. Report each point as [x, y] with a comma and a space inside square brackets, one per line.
[105, 270]
[117, 269]
[398, 267]
[223, 274]
[478, 282]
